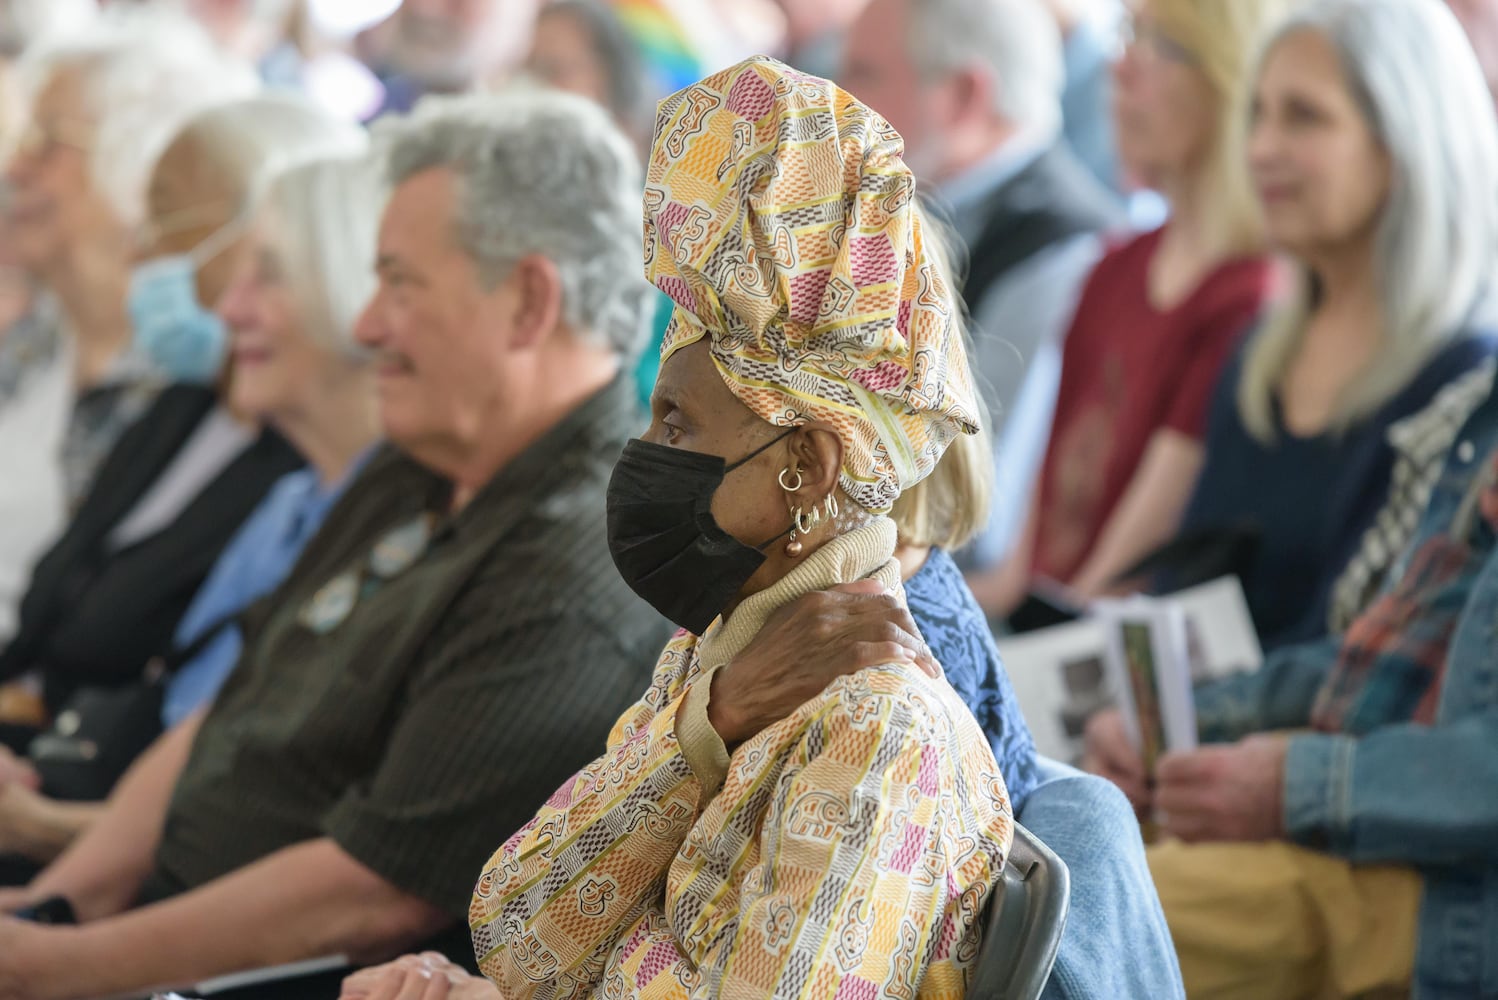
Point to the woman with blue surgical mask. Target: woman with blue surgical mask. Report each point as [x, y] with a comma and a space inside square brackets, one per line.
[95, 99]
[180, 336]
[106, 599]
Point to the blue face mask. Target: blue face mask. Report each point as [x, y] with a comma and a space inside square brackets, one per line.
[184, 341]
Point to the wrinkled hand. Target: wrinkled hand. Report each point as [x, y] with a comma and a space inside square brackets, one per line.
[17, 770]
[1224, 792]
[429, 976]
[806, 645]
[1108, 752]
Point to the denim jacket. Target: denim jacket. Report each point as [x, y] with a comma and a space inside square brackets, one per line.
[1425, 796]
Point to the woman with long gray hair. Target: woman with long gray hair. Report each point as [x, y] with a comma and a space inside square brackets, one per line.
[1373, 149]
[1353, 854]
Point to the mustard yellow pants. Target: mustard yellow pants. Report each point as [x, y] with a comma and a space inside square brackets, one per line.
[1278, 922]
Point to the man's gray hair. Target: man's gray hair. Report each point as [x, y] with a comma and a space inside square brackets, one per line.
[538, 173]
[1016, 41]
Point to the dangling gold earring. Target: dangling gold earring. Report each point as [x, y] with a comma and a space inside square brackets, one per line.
[793, 547]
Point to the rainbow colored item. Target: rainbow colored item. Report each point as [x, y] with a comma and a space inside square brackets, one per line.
[667, 48]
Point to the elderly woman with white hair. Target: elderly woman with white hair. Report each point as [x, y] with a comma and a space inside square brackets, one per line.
[107, 597]
[105, 103]
[104, 99]
[290, 309]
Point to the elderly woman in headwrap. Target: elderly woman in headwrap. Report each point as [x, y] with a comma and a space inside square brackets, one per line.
[813, 370]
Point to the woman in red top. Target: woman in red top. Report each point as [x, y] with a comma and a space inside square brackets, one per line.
[1160, 313]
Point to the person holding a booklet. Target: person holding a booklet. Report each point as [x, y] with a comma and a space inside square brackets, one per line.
[1348, 842]
[1328, 425]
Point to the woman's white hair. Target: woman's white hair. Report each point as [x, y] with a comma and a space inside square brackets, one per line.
[538, 172]
[22, 22]
[321, 218]
[144, 72]
[252, 139]
[1418, 84]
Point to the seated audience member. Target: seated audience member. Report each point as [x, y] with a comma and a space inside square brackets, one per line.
[938, 515]
[584, 47]
[1115, 942]
[107, 597]
[974, 87]
[1356, 858]
[290, 310]
[34, 385]
[770, 388]
[1386, 209]
[1159, 315]
[447, 48]
[103, 99]
[455, 641]
[879, 785]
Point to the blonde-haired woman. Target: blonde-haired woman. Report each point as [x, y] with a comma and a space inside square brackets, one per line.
[941, 514]
[1160, 313]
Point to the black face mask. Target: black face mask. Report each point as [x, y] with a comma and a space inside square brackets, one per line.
[664, 539]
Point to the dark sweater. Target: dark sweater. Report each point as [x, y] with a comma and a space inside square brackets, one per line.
[95, 614]
[1309, 499]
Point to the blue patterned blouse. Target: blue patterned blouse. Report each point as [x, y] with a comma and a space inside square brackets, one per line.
[957, 631]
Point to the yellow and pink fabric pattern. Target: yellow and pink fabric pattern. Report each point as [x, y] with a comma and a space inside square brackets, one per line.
[782, 221]
[848, 856]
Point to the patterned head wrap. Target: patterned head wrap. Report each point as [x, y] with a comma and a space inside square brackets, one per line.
[781, 220]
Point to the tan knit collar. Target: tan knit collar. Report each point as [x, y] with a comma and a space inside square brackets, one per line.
[863, 553]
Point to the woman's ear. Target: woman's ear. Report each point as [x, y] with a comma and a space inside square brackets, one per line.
[818, 452]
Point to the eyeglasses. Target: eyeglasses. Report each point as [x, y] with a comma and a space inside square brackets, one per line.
[1144, 36]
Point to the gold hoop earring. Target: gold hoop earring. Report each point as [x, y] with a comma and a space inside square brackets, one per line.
[790, 489]
[832, 508]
